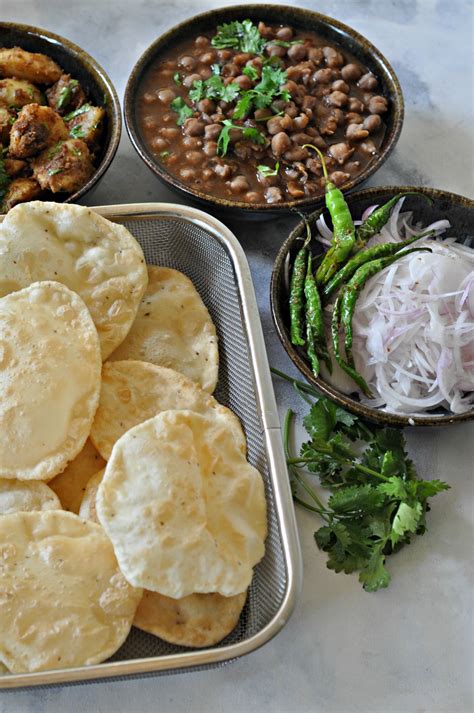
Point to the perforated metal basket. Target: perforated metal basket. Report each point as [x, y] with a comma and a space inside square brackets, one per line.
[204, 249]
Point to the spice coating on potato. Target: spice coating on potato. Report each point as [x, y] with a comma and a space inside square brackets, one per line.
[32, 66]
[36, 128]
[66, 167]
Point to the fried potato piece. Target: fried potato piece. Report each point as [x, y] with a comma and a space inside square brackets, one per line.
[87, 125]
[22, 496]
[36, 128]
[18, 93]
[32, 66]
[64, 600]
[14, 166]
[67, 167]
[65, 95]
[70, 485]
[6, 120]
[20, 190]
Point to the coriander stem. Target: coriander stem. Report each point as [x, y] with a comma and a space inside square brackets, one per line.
[343, 461]
[306, 506]
[302, 385]
[301, 482]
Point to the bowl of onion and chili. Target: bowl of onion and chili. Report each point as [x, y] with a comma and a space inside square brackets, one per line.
[425, 214]
[60, 118]
[220, 107]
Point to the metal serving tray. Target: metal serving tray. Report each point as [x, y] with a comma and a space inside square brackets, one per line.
[202, 247]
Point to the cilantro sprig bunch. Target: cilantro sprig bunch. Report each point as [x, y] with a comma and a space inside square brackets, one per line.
[377, 502]
[243, 36]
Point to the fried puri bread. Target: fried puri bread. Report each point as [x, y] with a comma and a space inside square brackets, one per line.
[64, 601]
[173, 328]
[94, 257]
[185, 511]
[134, 391]
[49, 380]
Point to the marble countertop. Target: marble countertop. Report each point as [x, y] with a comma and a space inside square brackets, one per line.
[407, 649]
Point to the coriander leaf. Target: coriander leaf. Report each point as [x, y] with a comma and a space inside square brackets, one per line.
[77, 112]
[267, 171]
[183, 110]
[239, 35]
[198, 91]
[394, 488]
[406, 520]
[224, 137]
[284, 43]
[356, 499]
[428, 488]
[65, 94]
[321, 420]
[375, 576]
[177, 78]
[243, 106]
[77, 132]
[215, 68]
[249, 132]
[389, 465]
[250, 72]
[164, 154]
[54, 171]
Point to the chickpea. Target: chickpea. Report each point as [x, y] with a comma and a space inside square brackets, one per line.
[368, 147]
[323, 76]
[150, 123]
[149, 98]
[280, 143]
[294, 190]
[166, 96]
[252, 197]
[353, 118]
[212, 131]
[187, 174]
[301, 121]
[191, 142]
[355, 132]
[190, 79]
[339, 177]
[224, 55]
[285, 34]
[297, 53]
[187, 62]
[340, 86]
[372, 123]
[208, 57]
[169, 133]
[275, 50]
[201, 41]
[206, 106]
[273, 195]
[207, 174]
[194, 127]
[315, 54]
[337, 99]
[351, 72]
[223, 170]
[368, 82]
[243, 81]
[193, 157]
[297, 153]
[159, 143]
[239, 184]
[333, 57]
[205, 72]
[356, 105]
[341, 152]
[210, 148]
[378, 105]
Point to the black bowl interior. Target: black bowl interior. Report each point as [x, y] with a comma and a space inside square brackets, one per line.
[457, 209]
[349, 40]
[97, 86]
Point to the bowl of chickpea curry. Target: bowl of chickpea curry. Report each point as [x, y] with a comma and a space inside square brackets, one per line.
[229, 107]
[60, 119]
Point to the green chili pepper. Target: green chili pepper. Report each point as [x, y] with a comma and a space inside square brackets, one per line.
[311, 351]
[379, 217]
[343, 227]
[314, 315]
[364, 256]
[355, 376]
[297, 292]
[353, 288]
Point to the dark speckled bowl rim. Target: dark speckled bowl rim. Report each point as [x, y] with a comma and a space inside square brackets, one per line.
[102, 78]
[240, 10]
[372, 414]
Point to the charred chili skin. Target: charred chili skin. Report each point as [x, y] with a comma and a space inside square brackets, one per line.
[364, 256]
[379, 217]
[350, 371]
[351, 292]
[343, 227]
[314, 315]
[297, 283]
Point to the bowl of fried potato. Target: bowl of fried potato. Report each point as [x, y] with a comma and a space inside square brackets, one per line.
[60, 120]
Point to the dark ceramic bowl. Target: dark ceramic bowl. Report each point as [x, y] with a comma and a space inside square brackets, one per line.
[326, 27]
[457, 209]
[97, 86]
